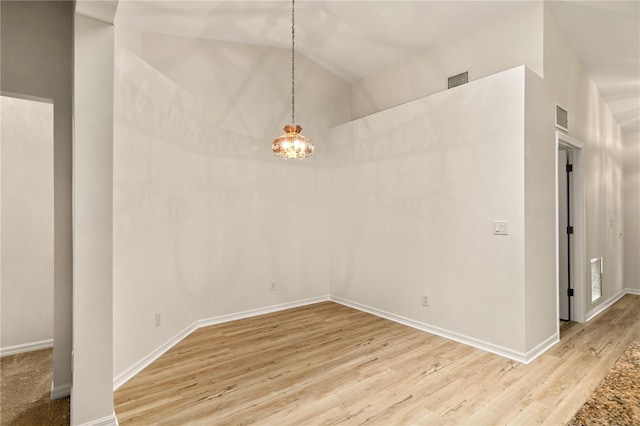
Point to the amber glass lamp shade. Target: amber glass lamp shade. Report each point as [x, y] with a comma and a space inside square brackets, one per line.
[292, 144]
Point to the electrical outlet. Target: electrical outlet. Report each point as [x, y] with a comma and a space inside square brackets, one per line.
[273, 286]
[158, 319]
[425, 300]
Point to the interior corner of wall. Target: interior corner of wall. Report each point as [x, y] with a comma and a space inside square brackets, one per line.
[129, 38]
[548, 24]
[536, 67]
[104, 11]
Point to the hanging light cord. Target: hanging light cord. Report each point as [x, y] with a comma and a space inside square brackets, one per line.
[293, 62]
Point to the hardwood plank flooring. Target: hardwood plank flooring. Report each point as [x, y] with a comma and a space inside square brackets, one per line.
[327, 364]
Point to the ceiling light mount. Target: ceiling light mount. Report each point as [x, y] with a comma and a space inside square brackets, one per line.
[292, 144]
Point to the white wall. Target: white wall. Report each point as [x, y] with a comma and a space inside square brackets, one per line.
[92, 392]
[27, 224]
[509, 41]
[37, 41]
[591, 122]
[538, 43]
[245, 89]
[415, 197]
[411, 199]
[541, 316]
[631, 212]
[205, 218]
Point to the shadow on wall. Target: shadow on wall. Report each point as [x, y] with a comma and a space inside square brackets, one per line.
[414, 197]
[205, 218]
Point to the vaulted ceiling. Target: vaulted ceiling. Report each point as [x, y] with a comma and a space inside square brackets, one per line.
[605, 34]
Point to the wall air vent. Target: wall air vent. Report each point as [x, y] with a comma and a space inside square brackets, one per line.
[458, 79]
[562, 118]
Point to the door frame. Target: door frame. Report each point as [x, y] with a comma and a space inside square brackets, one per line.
[578, 251]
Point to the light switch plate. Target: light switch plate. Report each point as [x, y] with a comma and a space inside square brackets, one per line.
[501, 228]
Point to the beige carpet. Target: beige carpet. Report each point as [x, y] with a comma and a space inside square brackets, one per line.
[616, 400]
[25, 386]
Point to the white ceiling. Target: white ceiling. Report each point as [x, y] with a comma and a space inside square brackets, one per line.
[605, 34]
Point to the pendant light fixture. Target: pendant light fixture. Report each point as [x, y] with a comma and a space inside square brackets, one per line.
[292, 144]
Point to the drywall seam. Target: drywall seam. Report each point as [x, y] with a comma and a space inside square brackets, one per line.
[143, 363]
[521, 357]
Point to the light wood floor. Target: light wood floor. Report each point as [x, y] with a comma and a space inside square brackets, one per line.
[327, 364]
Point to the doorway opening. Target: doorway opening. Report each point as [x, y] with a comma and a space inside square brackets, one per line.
[26, 228]
[570, 230]
[565, 233]
[26, 245]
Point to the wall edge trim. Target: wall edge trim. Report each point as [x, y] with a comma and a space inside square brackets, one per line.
[518, 356]
[144, 362]
[26, 347]
[542, 347]
[59, 392]
[111, 420]
[634, 291]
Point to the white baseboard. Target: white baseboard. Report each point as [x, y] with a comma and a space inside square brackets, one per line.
[260, 311]
[130, 372]
[136, 368]
[633, 291]
[111, 420]
[542, 347]
[522, 357]
[59, 392]
[607, 303]
[26, 347]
